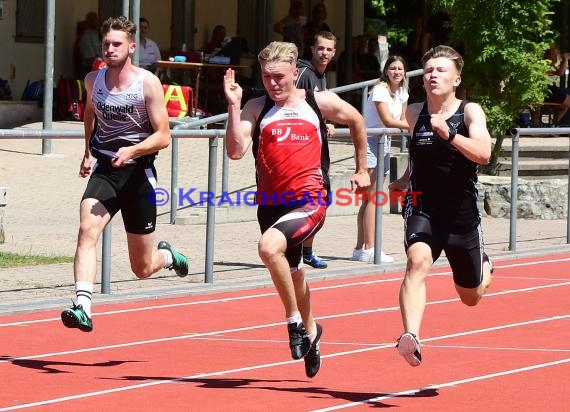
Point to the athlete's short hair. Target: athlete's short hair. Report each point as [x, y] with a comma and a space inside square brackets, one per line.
[120, 23]
[325, 35]
[279, 51]
[446, 52]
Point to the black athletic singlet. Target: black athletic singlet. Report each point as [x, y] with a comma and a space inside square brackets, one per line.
[445, 177]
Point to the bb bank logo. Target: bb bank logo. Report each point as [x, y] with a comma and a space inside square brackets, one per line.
[340, 197]
[284, 134]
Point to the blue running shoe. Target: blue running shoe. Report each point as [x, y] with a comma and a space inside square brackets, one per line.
[179, 261]
[75, 317]
[314, 261]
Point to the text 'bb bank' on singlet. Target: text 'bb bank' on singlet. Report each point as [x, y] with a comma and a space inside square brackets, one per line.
[445, 177]
[121, 117]
[291, 153]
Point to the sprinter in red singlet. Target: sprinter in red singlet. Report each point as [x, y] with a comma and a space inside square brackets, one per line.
[287, 129]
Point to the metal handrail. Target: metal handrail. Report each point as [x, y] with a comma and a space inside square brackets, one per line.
[516, 133]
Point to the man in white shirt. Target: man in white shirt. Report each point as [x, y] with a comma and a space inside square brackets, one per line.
[149, 52]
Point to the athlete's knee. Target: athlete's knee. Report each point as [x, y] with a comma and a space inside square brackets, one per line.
[88, 233]
[298, 277]
[418, 263]
[469, 297]
[269, 247]
[141, 270]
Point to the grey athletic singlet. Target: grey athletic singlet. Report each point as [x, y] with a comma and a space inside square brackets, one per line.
[121, 118]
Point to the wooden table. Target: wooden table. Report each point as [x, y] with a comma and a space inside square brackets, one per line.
[198, 69]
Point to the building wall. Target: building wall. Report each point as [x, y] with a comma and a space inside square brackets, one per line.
[25, 61]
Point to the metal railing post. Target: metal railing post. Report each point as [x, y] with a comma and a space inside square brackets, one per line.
[379, 204]
[568, 203]
[106, 260]
[211, 211]
[174, 180]
[514, 192]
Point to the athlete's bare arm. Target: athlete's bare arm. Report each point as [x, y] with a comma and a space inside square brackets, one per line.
[478, 147]
[241, 123]
[88, 125]
[335, 109]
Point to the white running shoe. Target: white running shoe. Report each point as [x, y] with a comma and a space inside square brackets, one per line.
[409, 348]
[356, 254]
[384, 258]
[367, 255]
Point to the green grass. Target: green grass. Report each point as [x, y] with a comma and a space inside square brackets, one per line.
[8, 260]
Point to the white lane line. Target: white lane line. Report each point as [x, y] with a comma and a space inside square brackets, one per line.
[262, 295]
[509, 349]
[345, 353]
[444, 385]
[246, 328]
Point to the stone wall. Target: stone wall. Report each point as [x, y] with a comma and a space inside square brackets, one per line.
[537, 198]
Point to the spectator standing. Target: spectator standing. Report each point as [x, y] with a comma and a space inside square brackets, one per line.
[90, 47]
[385, 107]
[149, 53]
[313, 26]
[291, 26]
[312, 77]
[368, 61]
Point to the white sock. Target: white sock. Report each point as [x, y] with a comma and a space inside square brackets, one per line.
[168, 259]
[313, 335]
[296, 318]
[84, 292]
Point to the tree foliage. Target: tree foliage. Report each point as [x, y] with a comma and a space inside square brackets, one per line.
[503, 43]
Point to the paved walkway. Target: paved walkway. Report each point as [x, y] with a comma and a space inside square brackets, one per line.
[42, 218]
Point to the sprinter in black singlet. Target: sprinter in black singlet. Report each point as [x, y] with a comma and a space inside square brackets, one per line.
[126, 124]
[449, 140]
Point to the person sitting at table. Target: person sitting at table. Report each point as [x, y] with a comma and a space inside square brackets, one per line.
[556, 93]
[149, 53]
[217, 40]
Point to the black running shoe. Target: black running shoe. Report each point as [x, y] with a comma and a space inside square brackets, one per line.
[75, 317]
[299, 342]
[409, 348]
[313, 357]
[179, 261]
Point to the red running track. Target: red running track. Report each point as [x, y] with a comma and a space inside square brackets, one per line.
[229, 351]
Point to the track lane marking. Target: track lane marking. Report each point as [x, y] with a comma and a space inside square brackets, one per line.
[445, 385]
[247, 328]
[269, 294]
[344, 353]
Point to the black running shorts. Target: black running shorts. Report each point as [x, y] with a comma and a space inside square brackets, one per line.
[126, 189]
[297, 223]
[463, 251]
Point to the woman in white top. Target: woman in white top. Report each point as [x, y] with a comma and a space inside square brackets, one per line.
[386, 107]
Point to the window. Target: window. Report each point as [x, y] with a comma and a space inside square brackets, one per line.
[30, 21]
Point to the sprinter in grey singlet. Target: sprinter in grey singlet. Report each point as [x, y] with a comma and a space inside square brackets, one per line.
[126, 124]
